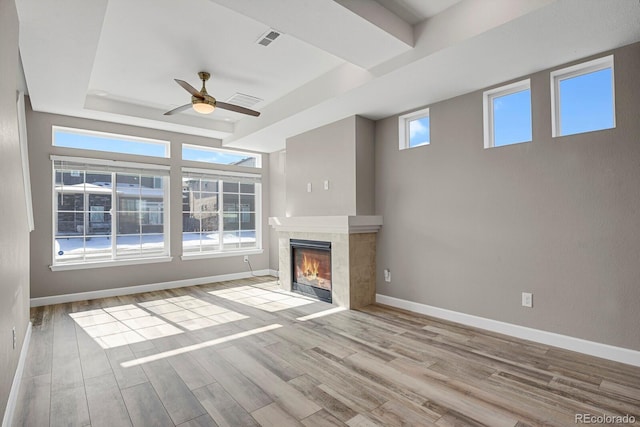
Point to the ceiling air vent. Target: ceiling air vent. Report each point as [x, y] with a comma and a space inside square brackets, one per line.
[243, 100]
[267, 38]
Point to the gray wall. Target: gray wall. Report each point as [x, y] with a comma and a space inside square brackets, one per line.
[333, 152]
[324, 153]
[44, 282]
[277, 201]
[365, 166]
[469, 229]
[14, 230]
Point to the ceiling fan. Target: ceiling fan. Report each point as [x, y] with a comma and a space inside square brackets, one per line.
[204, 103]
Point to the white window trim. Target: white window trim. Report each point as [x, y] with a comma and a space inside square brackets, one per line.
[206, 255]
[105, 162]
[403, 128]
[114, 262]
[167, 144]
[109, 263]
[574, 71]
[487, 110]
[24, 156]
[257, 156]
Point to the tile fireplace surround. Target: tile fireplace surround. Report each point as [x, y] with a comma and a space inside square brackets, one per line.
[353, 253]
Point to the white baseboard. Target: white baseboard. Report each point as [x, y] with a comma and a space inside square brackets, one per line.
[274, 273]
[128, 290]
[9, 411]
[605, 351]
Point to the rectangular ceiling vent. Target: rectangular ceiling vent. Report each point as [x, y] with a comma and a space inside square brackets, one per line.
[246, 101]
[269, 37]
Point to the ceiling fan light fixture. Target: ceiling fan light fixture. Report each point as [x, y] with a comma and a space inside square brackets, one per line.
[203, 107]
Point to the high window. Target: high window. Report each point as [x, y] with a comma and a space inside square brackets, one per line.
[108, 212]
[220, 212]
[507, 115]
[199, 153]
[414, 129]
[582, 97]
[108, 142]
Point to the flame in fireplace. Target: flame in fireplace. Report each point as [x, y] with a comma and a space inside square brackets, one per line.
[310, 267]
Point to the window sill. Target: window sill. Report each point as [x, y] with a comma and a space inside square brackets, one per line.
[113, 263]
[207, 255]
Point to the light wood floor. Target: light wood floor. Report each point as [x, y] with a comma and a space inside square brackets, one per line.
[243, 353]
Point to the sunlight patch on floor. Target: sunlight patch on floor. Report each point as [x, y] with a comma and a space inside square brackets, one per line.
[270, 298]
[137, 322]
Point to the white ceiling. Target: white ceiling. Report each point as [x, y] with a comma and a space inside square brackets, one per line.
[115, 60]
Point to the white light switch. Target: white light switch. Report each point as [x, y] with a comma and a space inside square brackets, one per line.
[308, 187]
[527, 299]
[326, 184]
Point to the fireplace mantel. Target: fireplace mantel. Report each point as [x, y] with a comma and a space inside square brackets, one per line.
[340, 224]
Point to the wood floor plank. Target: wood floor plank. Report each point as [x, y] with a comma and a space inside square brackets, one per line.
[93, 359]
[322, 418]
[243, 390]
[437, 392]
[69, 408]
[201, 421]
[144, 407]
[310, 388]
[125, 376]
[34, 401]
[280, 391]
[222, 408]
[274, 416]
[106, 406]
[176, 397]
[40, 354]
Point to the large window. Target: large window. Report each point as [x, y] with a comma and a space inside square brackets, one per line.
[220, 212]
[507, 115]
[107, 211]
[582, 97]
[414, 129]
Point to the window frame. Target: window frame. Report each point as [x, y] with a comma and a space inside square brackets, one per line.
[487, 110]
[115, 260]
[404, 122]
[573, 71]
[221, 252]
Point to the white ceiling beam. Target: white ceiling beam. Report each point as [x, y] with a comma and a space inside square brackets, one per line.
[364, 41]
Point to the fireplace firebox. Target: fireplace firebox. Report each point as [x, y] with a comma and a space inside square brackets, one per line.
[311, 268]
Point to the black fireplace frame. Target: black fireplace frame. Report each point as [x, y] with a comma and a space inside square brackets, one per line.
[302, 288]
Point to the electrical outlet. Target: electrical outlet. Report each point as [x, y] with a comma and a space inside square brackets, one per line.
[527, 299]
[308, 187]
[246, 258]
[326, 184]
[387, 275]
[13, 331]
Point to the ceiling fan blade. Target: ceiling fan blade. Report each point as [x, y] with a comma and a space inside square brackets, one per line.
[177, 110]
[236, 108]
[192, 90]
